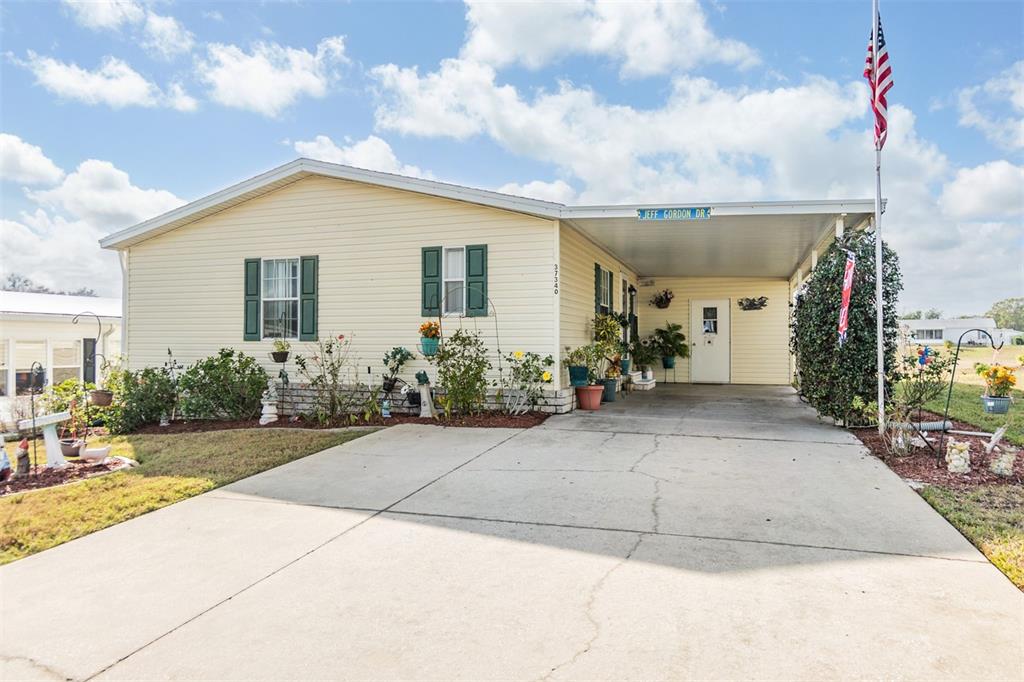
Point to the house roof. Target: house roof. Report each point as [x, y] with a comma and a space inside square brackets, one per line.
[585, 218]
[951, 323]
[18, 303]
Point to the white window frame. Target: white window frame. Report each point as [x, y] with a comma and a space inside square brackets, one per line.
[606, 289]
[6, 371]
[297, 298]
[53, 365]
[12, 369]
[445, 280]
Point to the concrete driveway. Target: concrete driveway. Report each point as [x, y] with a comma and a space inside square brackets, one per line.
[716, 532]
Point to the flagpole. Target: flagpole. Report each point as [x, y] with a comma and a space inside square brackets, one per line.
[879, 313]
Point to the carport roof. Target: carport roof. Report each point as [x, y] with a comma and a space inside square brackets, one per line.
[753, 239]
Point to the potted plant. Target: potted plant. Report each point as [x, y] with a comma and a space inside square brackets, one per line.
[101, 397]
[394, 360]
[588, 396]
[576, 362]
[671, 344]
[280, 352]
[999, 380]
[430, 337]
[644, 352]
[609, 384]
[662, 299]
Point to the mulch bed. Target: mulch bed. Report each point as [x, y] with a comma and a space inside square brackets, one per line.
[485, 420]
[47, 478]
[922, 465]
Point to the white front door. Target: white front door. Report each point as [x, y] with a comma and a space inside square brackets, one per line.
[709, 341]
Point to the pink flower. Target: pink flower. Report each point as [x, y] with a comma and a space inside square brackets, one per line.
[341, 337]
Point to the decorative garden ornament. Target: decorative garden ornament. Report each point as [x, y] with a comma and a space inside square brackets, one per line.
[958, 457]
[269, 401]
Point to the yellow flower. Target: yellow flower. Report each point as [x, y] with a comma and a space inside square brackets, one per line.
[546, 376]
[518, 355]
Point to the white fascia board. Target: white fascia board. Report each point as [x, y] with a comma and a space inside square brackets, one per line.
[721, 209]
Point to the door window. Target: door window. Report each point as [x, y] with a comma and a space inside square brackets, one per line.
[710, 320]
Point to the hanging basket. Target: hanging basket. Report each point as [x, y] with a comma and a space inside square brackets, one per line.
[279, 355]
[101, 397]
[995, 404]
[428, 346]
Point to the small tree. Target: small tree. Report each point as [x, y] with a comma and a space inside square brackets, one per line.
[462, 367]
[830, 376]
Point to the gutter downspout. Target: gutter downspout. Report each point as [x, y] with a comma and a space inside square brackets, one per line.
[122, 257]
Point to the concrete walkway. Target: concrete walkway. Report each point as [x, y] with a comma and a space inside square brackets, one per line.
[715, 532]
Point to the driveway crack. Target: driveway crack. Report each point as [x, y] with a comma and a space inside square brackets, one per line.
[588, 610]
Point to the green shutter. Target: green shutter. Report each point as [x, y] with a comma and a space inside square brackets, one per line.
[476, 280]
[251, 318]
[309, 267]
[430, 288]
[597, 288]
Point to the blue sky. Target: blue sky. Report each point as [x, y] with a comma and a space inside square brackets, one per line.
[116, 111]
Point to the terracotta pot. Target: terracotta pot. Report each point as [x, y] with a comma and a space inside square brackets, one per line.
[589, 397]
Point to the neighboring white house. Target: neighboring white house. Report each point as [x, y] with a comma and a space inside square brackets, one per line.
[940, 331]
[41, 328]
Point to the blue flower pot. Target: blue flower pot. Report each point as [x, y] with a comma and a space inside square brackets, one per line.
[577, 375]
[994, 405]
[624, 365]
[668, 362]
[428, 346]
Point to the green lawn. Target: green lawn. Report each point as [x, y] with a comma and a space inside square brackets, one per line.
[965, 406]
[171, 468]
[991, 517]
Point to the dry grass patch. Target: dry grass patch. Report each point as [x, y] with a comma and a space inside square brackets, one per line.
[171, 468]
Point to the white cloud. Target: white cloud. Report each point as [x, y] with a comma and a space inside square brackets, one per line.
[270, 77]
[94, 200]
[558, 191]
[994, 189]
[166, 37]
[706, 142]
[646, 38]
[105, 14]
[25, 163]
[103, 195]
[373, 153]
[996, 107]
[114, 83]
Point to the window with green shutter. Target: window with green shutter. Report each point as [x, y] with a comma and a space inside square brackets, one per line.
[453, 280]
[308, 305]
[281, 298]
[251, 317]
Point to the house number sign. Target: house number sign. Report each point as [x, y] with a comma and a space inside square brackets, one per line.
[687, 213]
[556, 279]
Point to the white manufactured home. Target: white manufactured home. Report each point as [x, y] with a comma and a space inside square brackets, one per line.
[313, 248]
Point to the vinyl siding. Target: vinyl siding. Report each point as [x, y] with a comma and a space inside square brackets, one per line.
[185, 287]
[759, 344]
[577, 256]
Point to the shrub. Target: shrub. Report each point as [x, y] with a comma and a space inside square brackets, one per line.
[1018, 340]
[590, 356]
[140, 398]
[830, 376]
[462, 367]
[671, 342]
[521, 389]
[325, 370]
[227, 385]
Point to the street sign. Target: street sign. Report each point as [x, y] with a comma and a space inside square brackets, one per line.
[686, 213]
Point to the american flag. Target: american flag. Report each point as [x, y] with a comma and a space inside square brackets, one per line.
[880, 85]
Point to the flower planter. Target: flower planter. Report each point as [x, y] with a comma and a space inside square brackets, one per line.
[608, 390]
[428, 346]
[662, 304]
[624, 366]
[389, 384]
[995, 404]
[101, 397]
[647, 374]
[577, 375]
[589, 397]
[279, 355]
[668, 362]
[70, 447]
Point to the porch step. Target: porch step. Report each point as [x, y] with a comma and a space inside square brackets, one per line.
[642, 385]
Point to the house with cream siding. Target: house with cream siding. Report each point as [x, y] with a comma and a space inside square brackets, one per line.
[312, 248]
